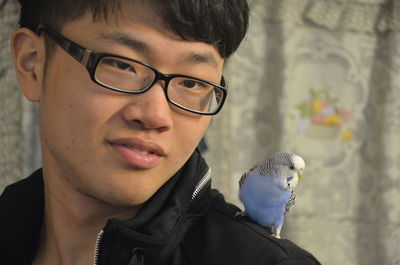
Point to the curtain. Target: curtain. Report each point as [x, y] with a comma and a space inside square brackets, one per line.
[321, 79]
[19, 144]
[316, 77]
[10, 100]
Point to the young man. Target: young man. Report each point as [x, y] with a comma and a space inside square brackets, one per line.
[126, 91]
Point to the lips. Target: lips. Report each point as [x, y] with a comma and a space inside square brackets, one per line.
[142, 152]
[138, 153]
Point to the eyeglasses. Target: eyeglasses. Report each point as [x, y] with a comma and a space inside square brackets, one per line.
[130, 76]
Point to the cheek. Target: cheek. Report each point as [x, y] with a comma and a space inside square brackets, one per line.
[190, 133]
[65, 128]
[70, 108]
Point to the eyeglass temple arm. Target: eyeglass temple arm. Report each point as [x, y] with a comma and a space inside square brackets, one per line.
[75, 50]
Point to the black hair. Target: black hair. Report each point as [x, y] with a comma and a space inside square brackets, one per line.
[222, 23]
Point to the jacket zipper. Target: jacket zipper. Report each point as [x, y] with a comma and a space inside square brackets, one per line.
[97, 247]
[199, 186]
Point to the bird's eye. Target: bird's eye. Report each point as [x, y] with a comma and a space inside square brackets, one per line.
[291, 167]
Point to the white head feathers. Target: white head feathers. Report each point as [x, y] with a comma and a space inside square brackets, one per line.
[285, 165]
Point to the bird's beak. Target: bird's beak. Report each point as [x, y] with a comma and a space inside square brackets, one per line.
[300, 174]
[300, 177]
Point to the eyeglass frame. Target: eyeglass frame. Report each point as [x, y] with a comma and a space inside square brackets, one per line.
[90, 61]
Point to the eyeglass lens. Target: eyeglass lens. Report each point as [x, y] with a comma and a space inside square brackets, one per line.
[121, 74]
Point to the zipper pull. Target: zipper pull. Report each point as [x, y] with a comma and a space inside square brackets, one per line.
[137, 257]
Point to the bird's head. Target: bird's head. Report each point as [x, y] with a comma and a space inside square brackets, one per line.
[297, 166]
[288, 166]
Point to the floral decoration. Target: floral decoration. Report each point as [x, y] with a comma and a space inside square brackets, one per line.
[321, 117]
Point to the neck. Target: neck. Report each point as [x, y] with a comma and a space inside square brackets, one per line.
[71, 225]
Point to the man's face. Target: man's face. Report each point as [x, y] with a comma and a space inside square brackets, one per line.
[120, 148]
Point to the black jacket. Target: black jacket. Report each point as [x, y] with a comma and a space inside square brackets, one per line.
[185, 222]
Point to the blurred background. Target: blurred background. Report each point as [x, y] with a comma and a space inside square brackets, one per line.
[320, 78]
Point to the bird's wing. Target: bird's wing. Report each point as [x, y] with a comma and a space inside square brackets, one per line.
[246, 174]
[291, 202]
[243, 178]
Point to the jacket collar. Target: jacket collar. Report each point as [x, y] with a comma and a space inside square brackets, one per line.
[160, 226]
[21, 211]
[154, 233]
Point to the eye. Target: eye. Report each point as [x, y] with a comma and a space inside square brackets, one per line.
[124, 66]
[192, 84]
[292, 167]
[189, 83]
[120, 65]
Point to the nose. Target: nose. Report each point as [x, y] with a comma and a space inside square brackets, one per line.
[149, 110]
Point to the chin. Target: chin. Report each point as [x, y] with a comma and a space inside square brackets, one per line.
[128, 198]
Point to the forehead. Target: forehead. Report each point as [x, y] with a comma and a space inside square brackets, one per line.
[118, 13]
[142, 35]
[130, 13]
[149, 12]
[137, 12]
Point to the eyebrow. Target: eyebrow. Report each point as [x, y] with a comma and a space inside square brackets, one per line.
[137, 45]
[123, 39]
[202, 57]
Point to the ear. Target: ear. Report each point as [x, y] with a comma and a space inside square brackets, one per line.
[28, 55]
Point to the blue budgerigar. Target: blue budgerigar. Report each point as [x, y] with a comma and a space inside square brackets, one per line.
[267, 189]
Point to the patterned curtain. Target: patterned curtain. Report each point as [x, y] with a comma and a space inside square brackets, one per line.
[19, 145]
[316, 77]
[321, 79]
[10, 100]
